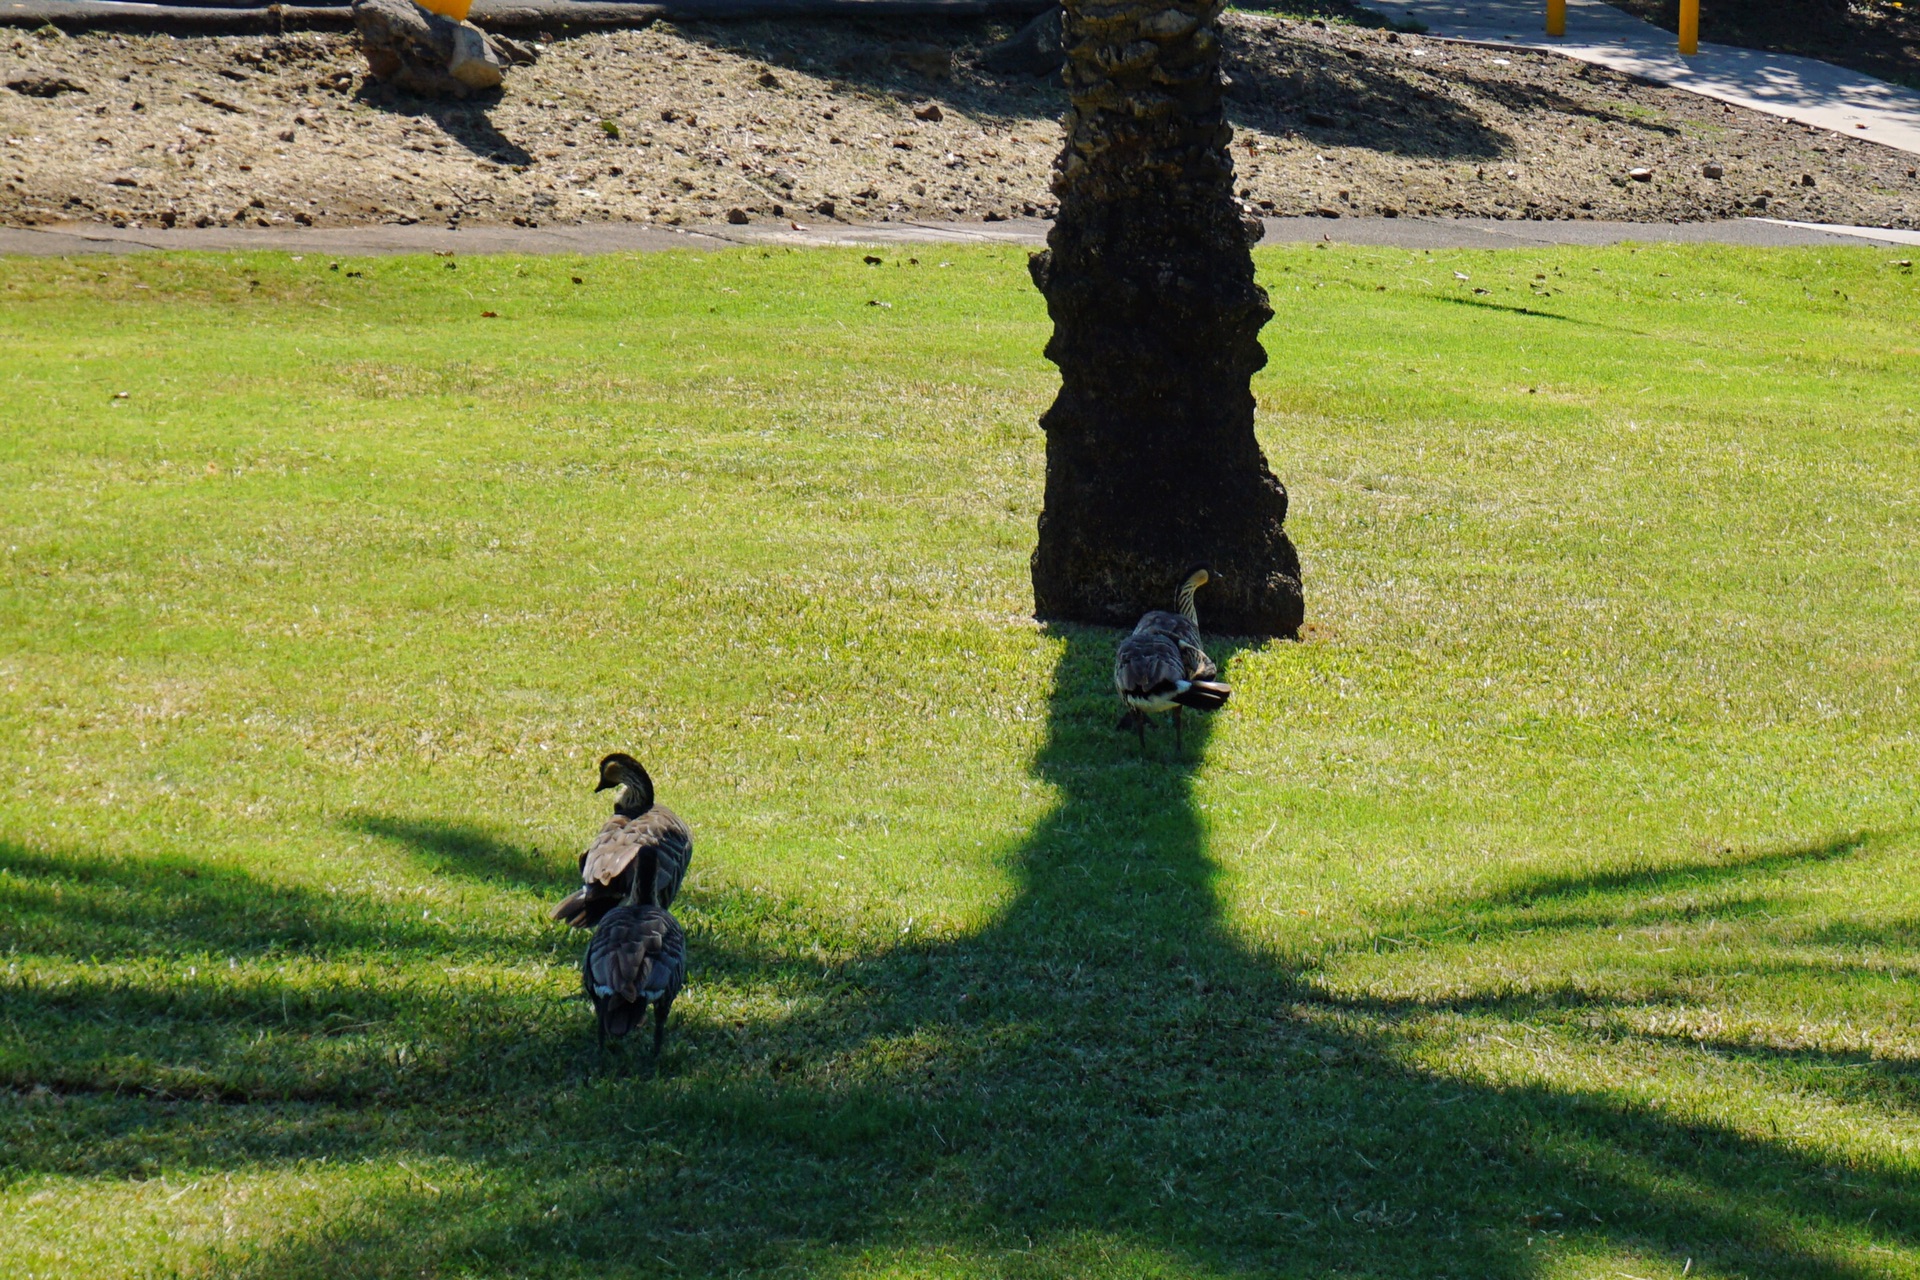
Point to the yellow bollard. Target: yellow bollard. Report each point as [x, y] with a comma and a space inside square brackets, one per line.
[455, 9]
[1689, 28]
[1556, 17]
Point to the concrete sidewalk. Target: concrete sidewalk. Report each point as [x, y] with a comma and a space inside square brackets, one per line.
[1802, 89]
[1399, 233]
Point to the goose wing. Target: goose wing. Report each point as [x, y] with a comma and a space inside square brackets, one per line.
[1148, 665]
[674, 839]
[1186, 635]
[606, 868]
[637, 954]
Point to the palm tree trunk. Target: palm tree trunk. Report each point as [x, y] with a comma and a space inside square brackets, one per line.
[1152, 465]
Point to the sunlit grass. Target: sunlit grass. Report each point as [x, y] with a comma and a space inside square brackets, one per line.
[1549, 910]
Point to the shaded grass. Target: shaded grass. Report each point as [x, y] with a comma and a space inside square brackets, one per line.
[1548, 911]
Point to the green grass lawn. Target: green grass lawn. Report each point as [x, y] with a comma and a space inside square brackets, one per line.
[1550, 910]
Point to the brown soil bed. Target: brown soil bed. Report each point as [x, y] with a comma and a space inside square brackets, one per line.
[1879, 37]
[784, 120]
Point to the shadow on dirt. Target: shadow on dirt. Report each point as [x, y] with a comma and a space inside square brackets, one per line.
[467, 123]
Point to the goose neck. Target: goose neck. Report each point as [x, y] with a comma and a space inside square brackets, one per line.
[635, 799]
[1187, 610]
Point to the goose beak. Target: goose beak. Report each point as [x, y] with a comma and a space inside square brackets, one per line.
[604, 785]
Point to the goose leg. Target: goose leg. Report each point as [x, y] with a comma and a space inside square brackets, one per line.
[660, 1008]
[1140, 724]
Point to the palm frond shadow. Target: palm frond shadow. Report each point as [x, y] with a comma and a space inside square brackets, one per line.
[1104, 1074]
[463, 850]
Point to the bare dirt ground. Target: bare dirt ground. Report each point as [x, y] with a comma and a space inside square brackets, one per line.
[863, 122]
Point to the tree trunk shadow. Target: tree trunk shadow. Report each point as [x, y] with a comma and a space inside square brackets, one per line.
[1102, 1079]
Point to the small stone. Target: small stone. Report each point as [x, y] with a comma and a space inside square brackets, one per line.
[929, 111]
[824, 208]
[1806, 180]
[737, 217]
[768, 80]
[473, 61]
[1640, 175]
[1711, 170]
[513, 52]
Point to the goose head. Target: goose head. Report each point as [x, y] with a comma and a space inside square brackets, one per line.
[621, 770]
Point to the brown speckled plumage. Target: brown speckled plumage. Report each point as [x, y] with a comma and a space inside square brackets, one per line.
[607, 867]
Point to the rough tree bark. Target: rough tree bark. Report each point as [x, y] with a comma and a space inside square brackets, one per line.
[1152, 465]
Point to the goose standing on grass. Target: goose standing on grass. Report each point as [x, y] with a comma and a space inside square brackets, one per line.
[1161, 666]
[638, 957]
[608, 866]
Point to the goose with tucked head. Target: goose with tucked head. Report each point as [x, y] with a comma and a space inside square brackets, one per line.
[1161, 667]
[610, 863]
[637, 959]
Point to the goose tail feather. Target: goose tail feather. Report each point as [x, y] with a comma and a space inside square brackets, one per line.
[1204, 695]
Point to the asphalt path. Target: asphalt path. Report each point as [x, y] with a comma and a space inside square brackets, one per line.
[1398, 233]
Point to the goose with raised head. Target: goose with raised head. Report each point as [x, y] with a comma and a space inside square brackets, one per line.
[1161, 667]
[637, 959]
[607, 867]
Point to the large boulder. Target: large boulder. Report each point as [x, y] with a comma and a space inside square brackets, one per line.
[424, 52]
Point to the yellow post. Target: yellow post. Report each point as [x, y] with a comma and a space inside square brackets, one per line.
[1689, 27]
[1556, 17]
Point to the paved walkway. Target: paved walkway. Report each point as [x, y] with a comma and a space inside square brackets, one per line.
[1802, 89]
[1400, 233]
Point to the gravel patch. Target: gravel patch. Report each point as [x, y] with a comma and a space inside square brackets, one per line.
[870, 122]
